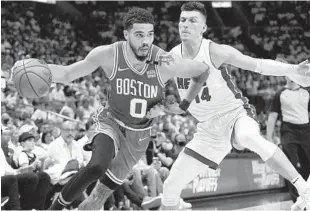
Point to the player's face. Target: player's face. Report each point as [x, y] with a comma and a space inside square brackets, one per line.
[140, 38]
[192, 25]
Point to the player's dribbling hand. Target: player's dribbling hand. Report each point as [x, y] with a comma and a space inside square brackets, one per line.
[303, 68]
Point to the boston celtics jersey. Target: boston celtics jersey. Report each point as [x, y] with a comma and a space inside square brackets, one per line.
[133, 93]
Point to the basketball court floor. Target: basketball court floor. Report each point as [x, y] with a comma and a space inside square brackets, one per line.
[259, 201]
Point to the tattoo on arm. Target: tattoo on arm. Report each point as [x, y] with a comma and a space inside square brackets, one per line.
[167, 58]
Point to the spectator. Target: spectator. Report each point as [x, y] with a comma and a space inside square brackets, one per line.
[26, 156]
[56, 132]
[14, 146]
[30, 128]
[39, 113]
[68, 109]
[25, 190]
[5, 120]
[63, 150]
[46, 139]
[86, 138]
[57, 94]
[162, 150]
[38, 150]
[133, 186]
[6, 134]
[86, 110]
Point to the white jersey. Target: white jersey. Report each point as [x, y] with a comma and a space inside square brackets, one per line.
[219, 94]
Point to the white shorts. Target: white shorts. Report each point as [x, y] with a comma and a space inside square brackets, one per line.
[212, 141]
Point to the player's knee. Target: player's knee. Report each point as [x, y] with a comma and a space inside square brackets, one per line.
[95, 170]
[244, 138]
[44, 177]
[102, 155]
[256, 143]
[246, 129]
[264, 148]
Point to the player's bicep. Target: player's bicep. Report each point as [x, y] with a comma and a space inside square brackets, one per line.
[172, 65]
[232, 56]
[86, 66]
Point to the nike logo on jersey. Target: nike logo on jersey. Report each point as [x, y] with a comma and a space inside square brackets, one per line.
[122, 69]
[142, 139]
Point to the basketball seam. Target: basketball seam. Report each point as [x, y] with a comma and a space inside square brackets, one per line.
[39, 77]
[21, 65]
[29, 80]
[35, 66]
[20, 79]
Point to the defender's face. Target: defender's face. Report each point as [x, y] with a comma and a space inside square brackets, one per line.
[192, 25]
[140, 38]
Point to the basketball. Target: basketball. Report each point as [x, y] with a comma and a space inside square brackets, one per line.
[32, 78]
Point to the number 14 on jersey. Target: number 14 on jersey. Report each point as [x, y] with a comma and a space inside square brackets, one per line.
[204, 95]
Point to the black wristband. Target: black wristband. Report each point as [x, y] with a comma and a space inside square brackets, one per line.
[184, 105]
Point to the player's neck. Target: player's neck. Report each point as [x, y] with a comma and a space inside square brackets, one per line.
[190, 48]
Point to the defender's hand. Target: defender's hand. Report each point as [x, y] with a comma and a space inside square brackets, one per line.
[303, 68]
[174, 109]
[172, 106]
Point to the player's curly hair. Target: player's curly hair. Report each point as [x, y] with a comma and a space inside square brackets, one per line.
[137, 15]
[195, 6]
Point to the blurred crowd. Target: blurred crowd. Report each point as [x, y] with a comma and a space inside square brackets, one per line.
[42, 140]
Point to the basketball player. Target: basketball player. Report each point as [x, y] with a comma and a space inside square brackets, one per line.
[292, 104]
[221, 109]
[137, 71]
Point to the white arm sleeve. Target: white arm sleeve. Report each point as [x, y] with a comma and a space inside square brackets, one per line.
[274, 68]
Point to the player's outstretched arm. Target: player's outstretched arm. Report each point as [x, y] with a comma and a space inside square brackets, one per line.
[173, 65]
[66, 74]
[226, 54]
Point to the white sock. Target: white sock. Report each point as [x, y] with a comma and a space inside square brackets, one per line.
[184, 170]
[300, 184]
